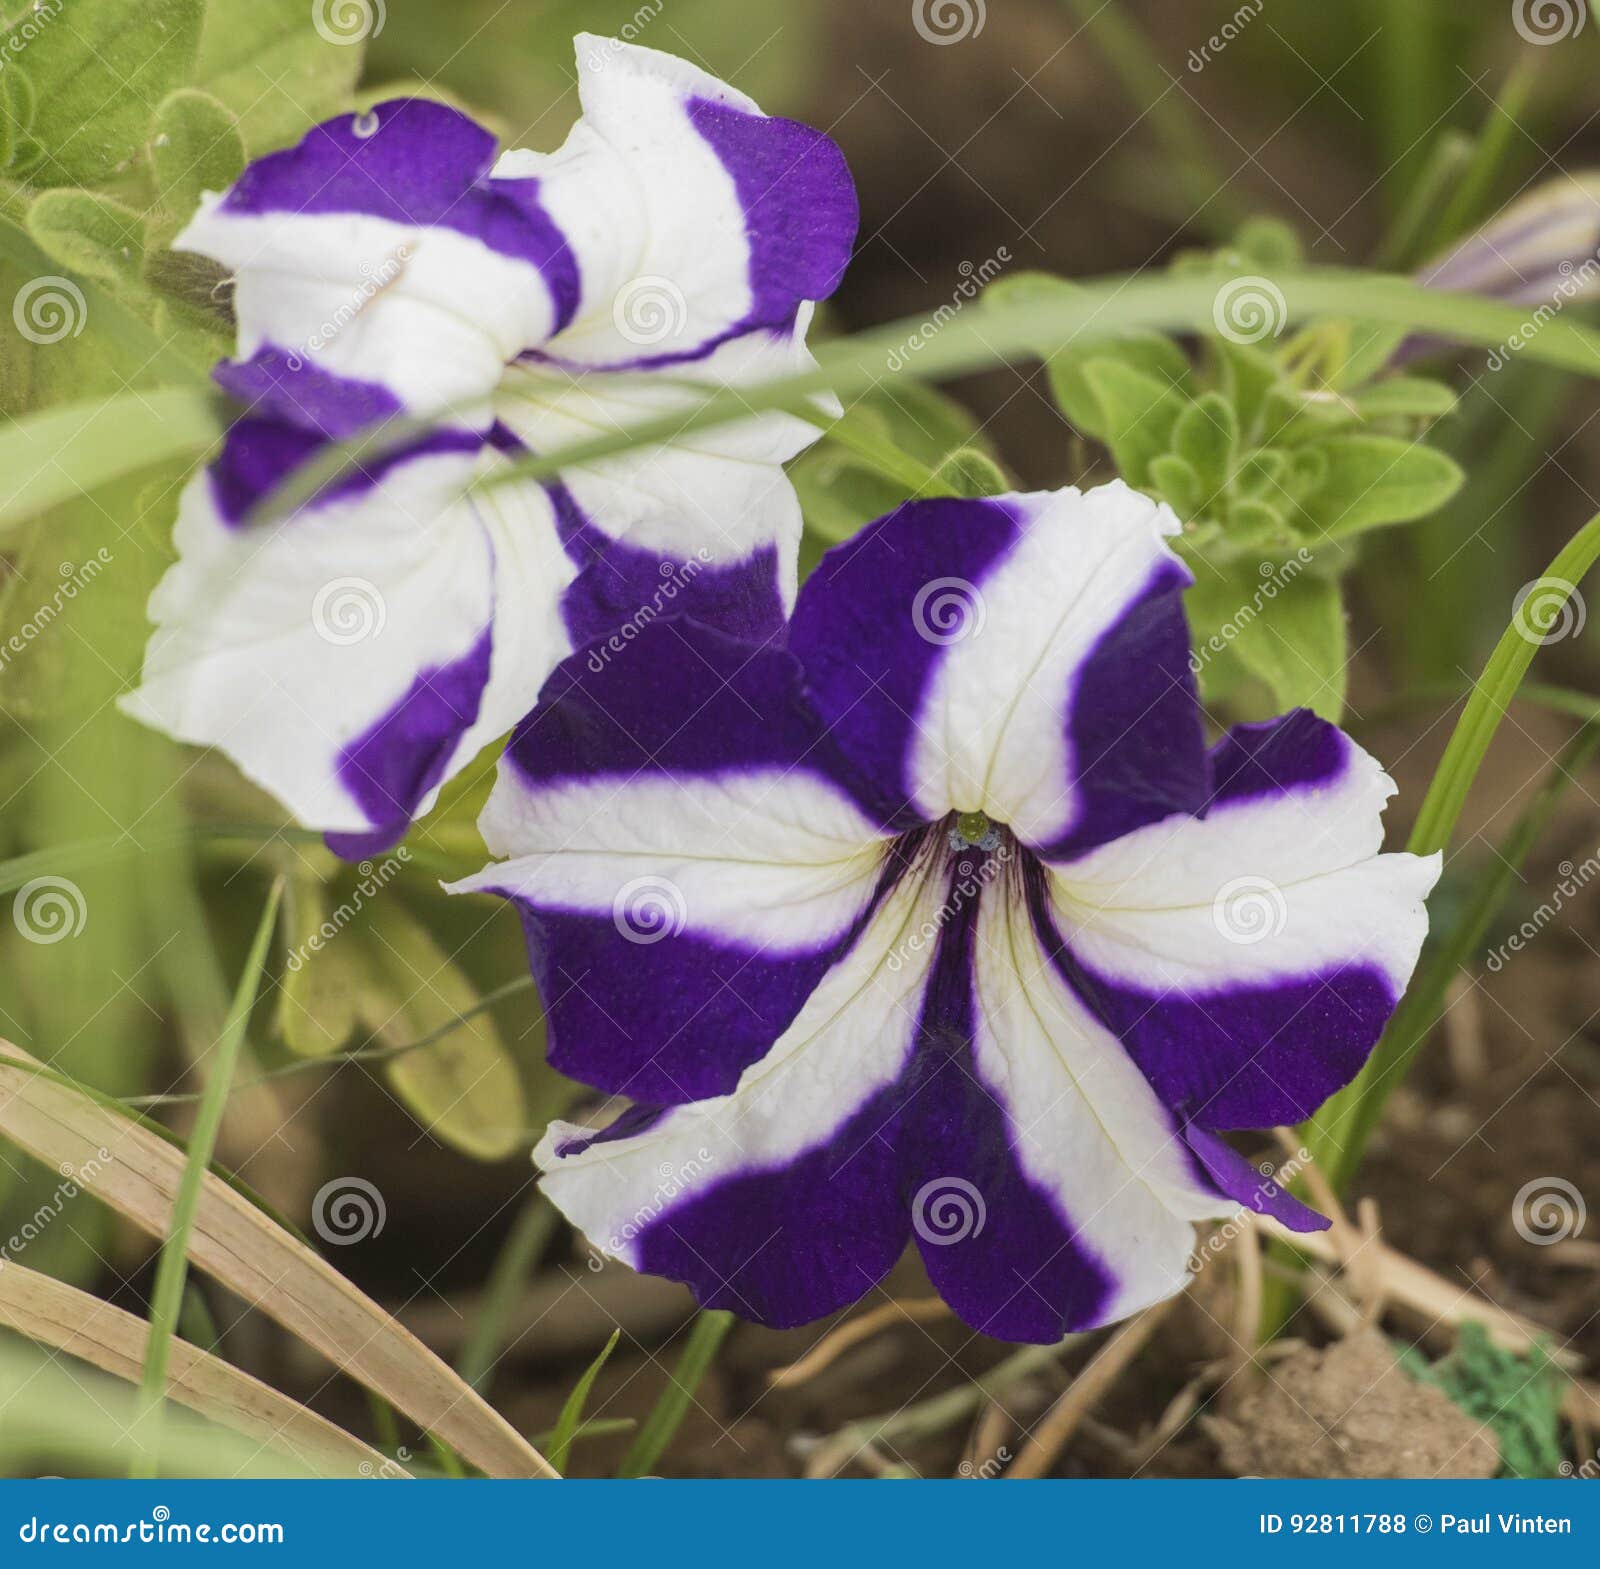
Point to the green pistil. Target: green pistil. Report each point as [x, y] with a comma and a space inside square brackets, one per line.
[973, 827]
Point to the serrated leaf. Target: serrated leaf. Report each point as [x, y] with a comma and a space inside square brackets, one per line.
[267, 62]
[1137, 414]
[1179, 485]
[1405, 397]
[462, 1087]
[99, 69]
[90, 234]
[1206, 437]
[195, 146]
[1373, 481]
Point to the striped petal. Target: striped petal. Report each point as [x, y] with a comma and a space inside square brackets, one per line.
[1025, 656]
[351, 657]
[684, 855]
[780, 1201]
[694, 217]
[381, 249]
[1249, 958]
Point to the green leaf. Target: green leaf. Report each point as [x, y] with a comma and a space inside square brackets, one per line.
[173, 1270]
[668, 1412]
[1179, 485]
[1346, 1122]
[16, 111]
[92, 234]
[1262, 474]
[266, 61]
[1372, 345]
[1206, 437]
[195, 146]
[572, 1411]
[1138, 414]
[462, 1087]
[99, 69]
[1405, 397]
[1258, 525]
[969, 472]
[1149, 353]
[59, 453]
[1247, 375]
[1377, 480]
[1269, 243]
[319, 993]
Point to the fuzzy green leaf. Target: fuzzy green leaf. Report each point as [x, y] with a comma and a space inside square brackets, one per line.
[90, 234]
[99, 69]
[1378, 480]
[1138, 413]
[1179, 485]
[1246, 375]
[1206, 437]
[319, 994]
[1405, 397]
[267, 62]
[1372, 345]
[969, 472]
[195, 146]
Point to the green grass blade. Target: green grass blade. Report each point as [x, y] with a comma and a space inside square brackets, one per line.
[1338, 1134]
[978, 339]
[173, 1270]
[59, 453]
[669, 1411]
[524, 1247]
[572, 1411]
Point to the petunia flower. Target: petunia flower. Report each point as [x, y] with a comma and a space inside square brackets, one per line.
[391, 265]
[943, 924]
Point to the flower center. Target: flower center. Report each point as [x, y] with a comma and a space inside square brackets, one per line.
[973, 830]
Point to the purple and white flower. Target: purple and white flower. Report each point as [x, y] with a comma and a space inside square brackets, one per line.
[943, 923]
[392, 265]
